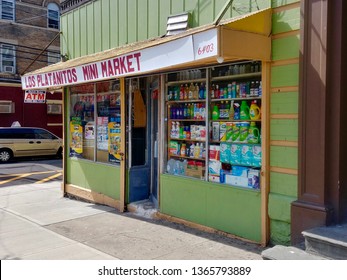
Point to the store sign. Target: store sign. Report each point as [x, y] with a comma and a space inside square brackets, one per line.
[205, 44]
[176, 52]
[35, 96]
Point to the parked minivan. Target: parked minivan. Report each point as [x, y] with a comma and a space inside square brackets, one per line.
[28, 141]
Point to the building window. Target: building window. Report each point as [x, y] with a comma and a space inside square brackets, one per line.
[7, 9]
[53, 57]
[53, 15]
[7, 58]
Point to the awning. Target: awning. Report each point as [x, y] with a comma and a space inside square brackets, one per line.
[239, 38]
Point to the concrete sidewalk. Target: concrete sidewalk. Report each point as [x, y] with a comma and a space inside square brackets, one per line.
[36, 222]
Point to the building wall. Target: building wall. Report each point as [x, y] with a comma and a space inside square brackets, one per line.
[104, 24]
[284, 117]
[30, 35]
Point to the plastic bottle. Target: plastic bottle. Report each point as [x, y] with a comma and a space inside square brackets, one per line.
[254, 111]
[201, 91]
[191, 91]
[253, 134]
[236, 111]
[188, 133]
[244, 111]
[231, 110]
[216, 92]
[215, 113]
[212, 91]
[226, 110]
[172, 131]
[183, 150]
[186, 92]
[197, 151]
[192, 148]
[181, 92]
[201, 150]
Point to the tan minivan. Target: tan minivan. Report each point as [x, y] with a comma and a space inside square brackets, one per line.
[28, 141]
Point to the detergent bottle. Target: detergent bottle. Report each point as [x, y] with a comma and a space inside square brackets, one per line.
[253, 134]
[244, 111]
[215, 113]
[254, 111]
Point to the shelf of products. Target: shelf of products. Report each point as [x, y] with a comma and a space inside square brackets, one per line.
[222, 130]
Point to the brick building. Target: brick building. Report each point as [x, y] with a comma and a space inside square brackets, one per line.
[29, 40]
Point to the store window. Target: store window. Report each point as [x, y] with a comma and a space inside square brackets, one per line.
[95, 122]
[7, 58]
[53, 14]
[225, 144]
[7, 10]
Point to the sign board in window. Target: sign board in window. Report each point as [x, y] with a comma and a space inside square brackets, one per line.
[35, 96]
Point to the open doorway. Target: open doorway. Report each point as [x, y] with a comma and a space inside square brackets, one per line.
[142, 127]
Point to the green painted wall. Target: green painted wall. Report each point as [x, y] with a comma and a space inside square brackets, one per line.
[230, 209]
[104, 24]
[100, 178]
[283, 101]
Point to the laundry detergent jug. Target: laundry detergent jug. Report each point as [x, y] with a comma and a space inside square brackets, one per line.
[244, 111]
[254, 111]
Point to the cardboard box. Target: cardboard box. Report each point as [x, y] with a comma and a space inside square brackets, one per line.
[214, 167]
[236, 180]
[196, 171]
[214, 153]
[213, 178]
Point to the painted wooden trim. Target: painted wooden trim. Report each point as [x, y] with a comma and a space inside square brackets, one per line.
[123, 146]
[284, 89]
[285, 62]
[284, 116]
[286, 7]
[92, 196]
[265, 174]
[54, 124]
[286, 34]
[284, 170]
[200, 227]
[65, 93]
[284, 143]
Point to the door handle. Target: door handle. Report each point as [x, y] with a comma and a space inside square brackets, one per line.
[121, 154]
[38, 142]
[31, 142]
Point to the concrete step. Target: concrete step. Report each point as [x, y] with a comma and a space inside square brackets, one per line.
[280, 252]
[329, 242]
[143, 208]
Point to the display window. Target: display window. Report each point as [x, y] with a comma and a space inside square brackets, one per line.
[95, 122]
[214, 124]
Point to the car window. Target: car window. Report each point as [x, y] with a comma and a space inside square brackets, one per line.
[43, 134]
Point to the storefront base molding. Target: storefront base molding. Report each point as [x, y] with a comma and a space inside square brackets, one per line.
[203, 228]
[91, 196]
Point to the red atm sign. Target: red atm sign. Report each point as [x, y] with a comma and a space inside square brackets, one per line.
[35, 96]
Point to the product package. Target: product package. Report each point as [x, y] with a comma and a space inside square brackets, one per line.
[235, 154]
[225, 152]
[247, 155]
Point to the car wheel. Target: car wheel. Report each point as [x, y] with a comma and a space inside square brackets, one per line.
[5, 155]
[60, 153]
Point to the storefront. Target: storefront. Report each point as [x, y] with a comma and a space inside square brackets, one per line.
[181, 120]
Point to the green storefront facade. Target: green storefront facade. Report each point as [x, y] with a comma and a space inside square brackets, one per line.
[261, 216]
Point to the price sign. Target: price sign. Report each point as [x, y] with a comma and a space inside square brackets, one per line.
[205, 44]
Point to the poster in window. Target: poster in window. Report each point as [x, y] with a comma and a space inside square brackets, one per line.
[76, 134]
[102, 133]
[114, 133]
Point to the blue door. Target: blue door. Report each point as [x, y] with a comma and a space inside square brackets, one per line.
[138, 140]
